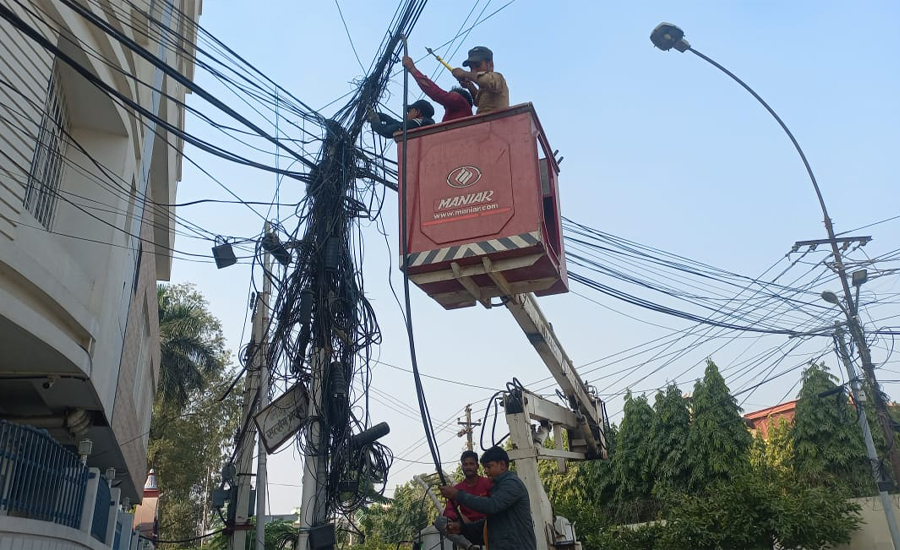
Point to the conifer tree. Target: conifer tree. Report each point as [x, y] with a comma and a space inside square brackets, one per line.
[828, 445]
[669, 439]
[632, 473]
[718, 441]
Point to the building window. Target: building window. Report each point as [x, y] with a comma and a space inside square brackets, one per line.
[47, 165]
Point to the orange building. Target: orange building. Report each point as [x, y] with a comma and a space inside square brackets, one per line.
[761, 420]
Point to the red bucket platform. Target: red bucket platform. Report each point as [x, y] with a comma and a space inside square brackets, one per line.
[483, 209]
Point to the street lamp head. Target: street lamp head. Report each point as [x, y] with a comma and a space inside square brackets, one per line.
[667, 36]
[830, 297]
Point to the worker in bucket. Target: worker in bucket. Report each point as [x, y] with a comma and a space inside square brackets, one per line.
[487, 86]
[418, 114]
[457, 103]
[473, 484]
[508, 525]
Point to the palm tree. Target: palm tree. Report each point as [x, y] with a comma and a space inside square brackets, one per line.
[189, 350]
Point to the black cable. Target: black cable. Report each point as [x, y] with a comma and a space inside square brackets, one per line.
[404, 191]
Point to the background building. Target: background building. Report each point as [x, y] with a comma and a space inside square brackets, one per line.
[85, 234]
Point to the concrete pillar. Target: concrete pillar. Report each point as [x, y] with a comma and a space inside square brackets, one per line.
[114, 495]
[90, 497]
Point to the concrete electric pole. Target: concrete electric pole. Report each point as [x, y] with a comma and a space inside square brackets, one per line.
[260, 330]
[256, 394]
[859, 399]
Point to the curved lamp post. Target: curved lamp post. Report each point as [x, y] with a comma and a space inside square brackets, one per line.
[667, 36]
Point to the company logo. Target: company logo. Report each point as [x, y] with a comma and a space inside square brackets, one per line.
[465, 200]
[464, 176]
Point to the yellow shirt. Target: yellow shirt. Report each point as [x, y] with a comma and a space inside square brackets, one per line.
[493, 94]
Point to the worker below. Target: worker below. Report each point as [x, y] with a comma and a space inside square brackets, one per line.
[473, 484]
[508, 524]
[488, 87]
[418, 114]
[457, 103]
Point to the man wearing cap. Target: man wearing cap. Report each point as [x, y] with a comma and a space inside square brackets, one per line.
[418, 114]
[508, 525]
[457, 103]
[491, 93]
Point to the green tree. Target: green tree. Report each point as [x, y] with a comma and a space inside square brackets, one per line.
[191, 430]
[191, 343]
[631, 464]
[585, 492]
[280, 535]
[398, 519]
[828, 445]
[668, 441]
[754, 510]
[718, 440]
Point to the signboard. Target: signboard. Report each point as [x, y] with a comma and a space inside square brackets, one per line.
[283, 417]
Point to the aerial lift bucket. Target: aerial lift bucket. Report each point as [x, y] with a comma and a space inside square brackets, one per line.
[482, 196]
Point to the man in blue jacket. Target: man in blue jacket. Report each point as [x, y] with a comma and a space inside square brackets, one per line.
[508, 525]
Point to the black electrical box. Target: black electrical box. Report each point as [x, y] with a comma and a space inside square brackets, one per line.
[322, 537]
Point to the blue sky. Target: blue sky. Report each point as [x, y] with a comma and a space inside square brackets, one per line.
[660, 148]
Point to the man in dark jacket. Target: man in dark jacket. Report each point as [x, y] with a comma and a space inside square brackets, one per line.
[508, 525]
[418, 114]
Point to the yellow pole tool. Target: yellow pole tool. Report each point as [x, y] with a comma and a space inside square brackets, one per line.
[436, 56]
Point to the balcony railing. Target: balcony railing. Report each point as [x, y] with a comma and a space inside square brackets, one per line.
[39, 478]
[101, 511]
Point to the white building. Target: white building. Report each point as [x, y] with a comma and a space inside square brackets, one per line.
[80, 256]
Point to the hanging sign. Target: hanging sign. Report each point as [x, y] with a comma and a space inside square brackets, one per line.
[283, 417]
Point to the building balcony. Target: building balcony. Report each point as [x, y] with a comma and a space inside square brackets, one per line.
[48, 497]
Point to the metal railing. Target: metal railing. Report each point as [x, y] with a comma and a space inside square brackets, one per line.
[39, 478]
[101, 511]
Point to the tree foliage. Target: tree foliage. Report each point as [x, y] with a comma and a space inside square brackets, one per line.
[698, 470]
[191, 343]
[777, 453]
[279, 535]
[718, 440]
[669, 460]
[191, 431]
[755, 510]
[399, 519]
[631, 463]
[585, 493]
[828, 445]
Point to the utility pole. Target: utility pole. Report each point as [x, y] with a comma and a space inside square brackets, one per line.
[467, 429]
[312, 492]
[881, 409]
[260, 329]
[255, 392]
[859, 398]
[244, 462]
[850, 311]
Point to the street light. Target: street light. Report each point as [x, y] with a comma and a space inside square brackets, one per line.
[831, 298]
[667, 36]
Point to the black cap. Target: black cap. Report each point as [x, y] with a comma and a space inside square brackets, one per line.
[477, 55]
[424, 107]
